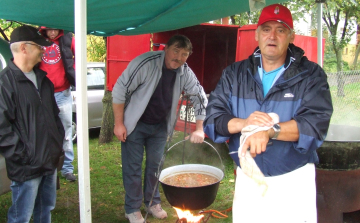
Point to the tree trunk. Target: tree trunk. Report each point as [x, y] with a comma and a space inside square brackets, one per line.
[339, 74]
[233, 20]
[356, 56]
[107, 124]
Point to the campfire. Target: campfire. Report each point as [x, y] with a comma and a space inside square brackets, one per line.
[185, 216]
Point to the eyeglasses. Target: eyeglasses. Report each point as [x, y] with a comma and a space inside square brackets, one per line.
[37, 45]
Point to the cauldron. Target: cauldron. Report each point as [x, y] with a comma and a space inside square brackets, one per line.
[191, 198]
[338, 174]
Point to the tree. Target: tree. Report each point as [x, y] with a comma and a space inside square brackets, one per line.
[339, 17]
[107, 123]
[96, 51]
[245, 18]
[332, 17]
[6, 27]
[357, 52]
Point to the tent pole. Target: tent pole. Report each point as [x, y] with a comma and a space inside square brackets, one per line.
[319, 34]
[80, 15]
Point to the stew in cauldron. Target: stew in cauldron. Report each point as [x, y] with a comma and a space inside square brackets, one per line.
[190, 180]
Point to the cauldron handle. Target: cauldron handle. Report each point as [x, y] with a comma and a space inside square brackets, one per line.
[162, 160]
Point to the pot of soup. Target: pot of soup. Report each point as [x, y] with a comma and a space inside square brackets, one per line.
[191, 186]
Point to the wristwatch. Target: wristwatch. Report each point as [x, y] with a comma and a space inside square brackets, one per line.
[277, 130]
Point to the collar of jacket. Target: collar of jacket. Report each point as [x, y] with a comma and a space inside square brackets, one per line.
[292, 61]
[20, 76]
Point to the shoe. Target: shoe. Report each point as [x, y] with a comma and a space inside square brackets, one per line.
[157, 211]
[135, 217]
[69, 177]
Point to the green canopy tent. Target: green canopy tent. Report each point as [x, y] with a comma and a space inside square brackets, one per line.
[112, 17]
[125, 17]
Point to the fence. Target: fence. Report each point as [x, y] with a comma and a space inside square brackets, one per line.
[345, 93]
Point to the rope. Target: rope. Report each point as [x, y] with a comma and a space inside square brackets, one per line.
[217, 214]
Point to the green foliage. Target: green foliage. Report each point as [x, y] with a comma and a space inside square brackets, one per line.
[330, 65]
[8, 27]
[338, 16]
[246, 18]
[330, 61]
[96, 50]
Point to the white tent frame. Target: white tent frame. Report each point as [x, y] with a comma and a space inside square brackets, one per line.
[80, 14]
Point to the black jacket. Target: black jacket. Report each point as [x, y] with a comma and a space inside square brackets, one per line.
[67, 57]
[31, 133]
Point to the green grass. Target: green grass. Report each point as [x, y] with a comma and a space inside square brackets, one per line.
[346, 109]
[107, 192]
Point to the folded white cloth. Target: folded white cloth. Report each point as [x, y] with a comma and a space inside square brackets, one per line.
[247, 163]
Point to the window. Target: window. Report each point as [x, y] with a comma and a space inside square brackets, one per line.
[95, 78]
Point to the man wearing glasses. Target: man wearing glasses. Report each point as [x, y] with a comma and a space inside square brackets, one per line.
[58, 63]
[31, 133]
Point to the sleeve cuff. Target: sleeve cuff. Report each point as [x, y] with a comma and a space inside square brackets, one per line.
[221, 124]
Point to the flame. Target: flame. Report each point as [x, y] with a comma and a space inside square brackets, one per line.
[190, 218]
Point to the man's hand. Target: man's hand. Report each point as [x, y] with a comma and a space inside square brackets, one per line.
[256, 142]
[260, 119]
[197, 136]
[120, 132]
[119, 128]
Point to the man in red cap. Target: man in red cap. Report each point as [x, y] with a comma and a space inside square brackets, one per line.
[276, 78]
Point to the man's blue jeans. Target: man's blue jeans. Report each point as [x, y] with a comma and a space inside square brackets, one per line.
[36, 196]
[152, 138]
[64, 102]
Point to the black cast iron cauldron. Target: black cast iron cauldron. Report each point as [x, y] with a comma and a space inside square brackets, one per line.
[338, 175]
[191, 198]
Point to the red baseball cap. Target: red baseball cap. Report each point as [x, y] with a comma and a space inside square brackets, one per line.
[276, 12]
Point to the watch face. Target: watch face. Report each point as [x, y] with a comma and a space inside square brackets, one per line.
[276, 127]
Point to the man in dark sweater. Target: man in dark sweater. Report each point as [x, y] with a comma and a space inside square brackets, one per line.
[145, 98]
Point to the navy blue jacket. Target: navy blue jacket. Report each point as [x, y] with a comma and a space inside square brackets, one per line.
[301, 93]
